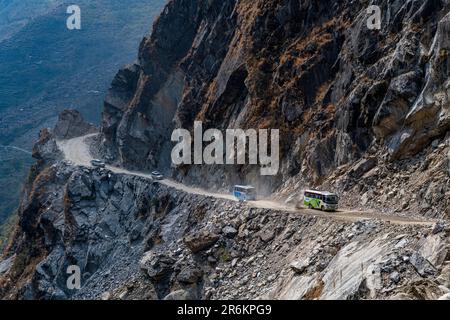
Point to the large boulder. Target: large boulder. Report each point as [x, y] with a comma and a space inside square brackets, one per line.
[190, 274]
[423, 267]
[300, 265]
[157, 266]
[363, 166]
[200, 240]
[401, 94]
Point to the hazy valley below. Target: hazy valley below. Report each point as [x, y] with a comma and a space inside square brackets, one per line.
[47, 68]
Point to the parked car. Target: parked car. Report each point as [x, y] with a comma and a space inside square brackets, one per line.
[98, 163]
[157, 175]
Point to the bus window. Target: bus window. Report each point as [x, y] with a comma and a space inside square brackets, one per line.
[331, 199]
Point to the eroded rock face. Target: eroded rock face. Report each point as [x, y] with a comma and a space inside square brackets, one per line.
[45, 150]
[428, 116]
[338, 91]
[71, 125]
[133, 239]
[351, 103]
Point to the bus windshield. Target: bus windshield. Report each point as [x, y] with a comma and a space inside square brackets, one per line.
[250, 191]
[244, 193]
[331, 199]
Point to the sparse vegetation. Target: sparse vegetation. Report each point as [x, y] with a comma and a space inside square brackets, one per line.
[224, 254]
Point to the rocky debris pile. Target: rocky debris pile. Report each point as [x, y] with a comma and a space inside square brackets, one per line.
[133, 238]
[71, 125]
[419, 186]
[361, 112]
[136, 239]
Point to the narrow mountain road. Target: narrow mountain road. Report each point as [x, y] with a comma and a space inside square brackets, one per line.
[77, 152]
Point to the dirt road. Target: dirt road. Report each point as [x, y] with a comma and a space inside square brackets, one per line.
[77, 152]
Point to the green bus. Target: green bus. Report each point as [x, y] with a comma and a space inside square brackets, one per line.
[322, 200]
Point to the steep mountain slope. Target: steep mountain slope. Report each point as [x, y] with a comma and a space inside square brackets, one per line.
[341, 94]
[46, 68]
[362, 112]
[137, 239]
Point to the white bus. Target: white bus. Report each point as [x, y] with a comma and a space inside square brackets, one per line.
[323, 200]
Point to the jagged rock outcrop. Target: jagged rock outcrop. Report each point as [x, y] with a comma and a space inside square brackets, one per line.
[45, 149]
[71, 125]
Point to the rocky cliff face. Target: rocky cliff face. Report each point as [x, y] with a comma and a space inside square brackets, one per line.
[361, 112]
[135, 239]
[71, 125]
[339, 92]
